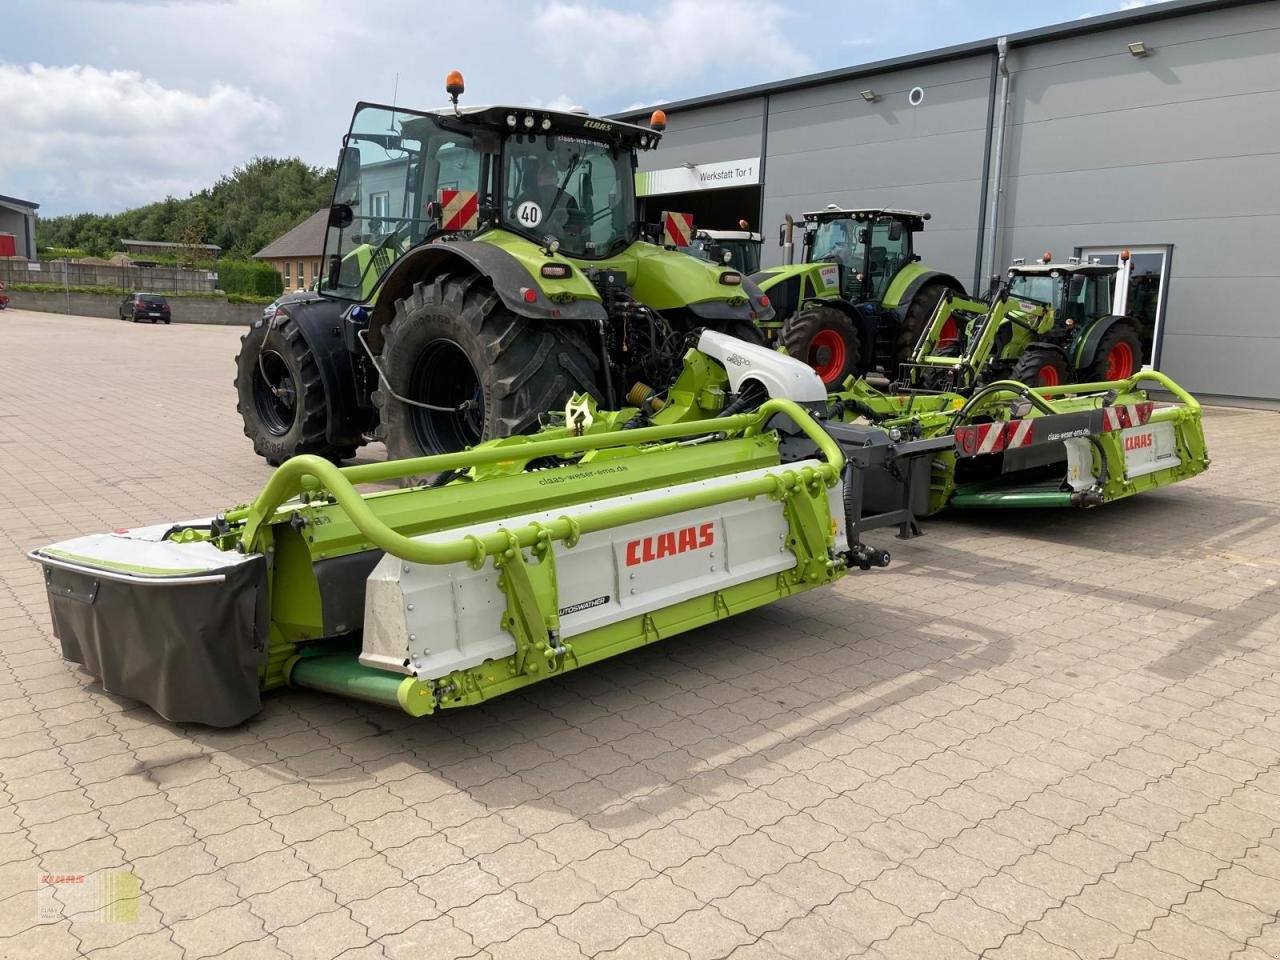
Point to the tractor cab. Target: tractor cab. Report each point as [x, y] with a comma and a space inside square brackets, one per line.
[1079, 293]
[561, 180]
[869, 246]
[739, 249]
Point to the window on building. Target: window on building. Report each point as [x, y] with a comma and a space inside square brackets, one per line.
[285, 268]
[302, 277]
[1138, 289]
[379, 211]
[315, 270]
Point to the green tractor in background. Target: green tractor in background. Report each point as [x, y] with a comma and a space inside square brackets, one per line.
[1045, 325]
[739, 249]
[482, 265]
[860, 299]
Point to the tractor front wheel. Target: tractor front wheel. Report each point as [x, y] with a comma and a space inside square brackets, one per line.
[472, 369]
[1119, 355]
[1040, 367]
[826, 340]
[279, 393]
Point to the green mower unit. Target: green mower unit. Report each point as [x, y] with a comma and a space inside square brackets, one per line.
[481, 265]
[859, 300]
[521, 558]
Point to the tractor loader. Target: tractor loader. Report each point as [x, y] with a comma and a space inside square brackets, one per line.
[1045, 324]
[481, 265]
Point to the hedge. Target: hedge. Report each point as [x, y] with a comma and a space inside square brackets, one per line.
[115, 294]
[249, 278]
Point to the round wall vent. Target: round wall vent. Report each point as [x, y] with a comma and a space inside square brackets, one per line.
[916, 96]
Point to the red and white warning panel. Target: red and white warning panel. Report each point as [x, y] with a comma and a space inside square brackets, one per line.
[978, 439]
[461, 210]
[1126, 415]
[677, 229]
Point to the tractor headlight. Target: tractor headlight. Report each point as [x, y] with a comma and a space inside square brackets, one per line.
[511, 120]
[546, 123]
[528, 122]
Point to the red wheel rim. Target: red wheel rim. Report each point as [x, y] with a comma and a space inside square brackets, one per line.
[1048, 376]
[950, 333]
[827, 354]
[1120, 362]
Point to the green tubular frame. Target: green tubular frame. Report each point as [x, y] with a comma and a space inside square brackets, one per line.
[291, 479]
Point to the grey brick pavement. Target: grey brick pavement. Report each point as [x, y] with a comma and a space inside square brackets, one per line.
[1036, 735]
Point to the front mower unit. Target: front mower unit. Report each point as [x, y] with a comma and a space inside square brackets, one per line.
[526, 557]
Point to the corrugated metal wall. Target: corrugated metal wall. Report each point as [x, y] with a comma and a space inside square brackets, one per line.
[1181, 147]
[1178, 148]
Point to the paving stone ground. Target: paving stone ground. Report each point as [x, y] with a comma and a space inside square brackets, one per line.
[1037, 735]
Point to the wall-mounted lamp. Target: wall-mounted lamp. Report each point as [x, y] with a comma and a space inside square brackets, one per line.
[869, 96]
[688, 166]
[1138, 49]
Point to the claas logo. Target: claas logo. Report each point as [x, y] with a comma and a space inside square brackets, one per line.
[670, 543]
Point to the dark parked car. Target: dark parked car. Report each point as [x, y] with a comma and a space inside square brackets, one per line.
[144, 306]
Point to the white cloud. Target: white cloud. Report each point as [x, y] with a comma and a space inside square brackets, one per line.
[121, 138]
[675, 41]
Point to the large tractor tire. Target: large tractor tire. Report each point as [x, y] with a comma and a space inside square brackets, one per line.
[825, 339]
[1041, 367]
[280, 396]
[486, 371]
[1118, 357]
[917, 317]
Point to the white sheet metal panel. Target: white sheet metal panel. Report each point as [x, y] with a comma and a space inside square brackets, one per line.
[428, 621]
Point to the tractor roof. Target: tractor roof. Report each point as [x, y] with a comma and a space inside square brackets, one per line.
[730, 235]
[562, 121]
[1085, 269]
[913, 218]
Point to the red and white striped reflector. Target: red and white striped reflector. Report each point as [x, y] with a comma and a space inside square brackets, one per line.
[461, 210]
[677, 229]
[1126, 415]
[980, 438]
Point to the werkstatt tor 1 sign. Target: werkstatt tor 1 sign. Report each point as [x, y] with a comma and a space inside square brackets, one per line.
[698, 176]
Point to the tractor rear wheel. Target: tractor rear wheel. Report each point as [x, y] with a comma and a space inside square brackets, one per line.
[825, 339]
[485, 371]
[279, 393]
[917, 317]
[1119, 355]
[1041, 367]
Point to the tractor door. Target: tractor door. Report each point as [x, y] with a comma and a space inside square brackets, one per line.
[888, 252]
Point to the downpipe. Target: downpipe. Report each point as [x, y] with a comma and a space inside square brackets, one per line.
[1002, 67]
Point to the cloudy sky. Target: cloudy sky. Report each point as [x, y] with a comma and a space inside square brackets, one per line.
[108, 104]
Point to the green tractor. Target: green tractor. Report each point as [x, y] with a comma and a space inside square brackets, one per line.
[1045, 325]
[739, 249]
[859, 301]
[482, 265]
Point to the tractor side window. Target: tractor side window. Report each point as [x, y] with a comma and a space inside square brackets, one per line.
[394, 163]
[890, 251]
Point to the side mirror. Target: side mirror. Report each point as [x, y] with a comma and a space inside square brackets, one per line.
[895, 230]
[341, 216]
[348, 189]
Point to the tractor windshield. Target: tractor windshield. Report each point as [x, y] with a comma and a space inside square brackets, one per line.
[839, 241]
[579, 192]
[399, 174]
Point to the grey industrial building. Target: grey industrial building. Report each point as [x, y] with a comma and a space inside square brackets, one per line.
[1154, 130]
